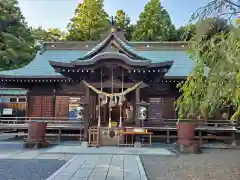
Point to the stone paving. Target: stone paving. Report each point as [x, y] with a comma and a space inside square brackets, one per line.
[34, 154]
[28, 169]
[104, 163]
[77, 149]
[210, 165]
[101, 167]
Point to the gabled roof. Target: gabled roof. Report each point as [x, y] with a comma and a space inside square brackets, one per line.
[40, 66]
[137, 54]
[112, 40]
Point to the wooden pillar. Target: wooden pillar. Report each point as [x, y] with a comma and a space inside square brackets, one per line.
[137, 143]
[137, 106]
[86, 113]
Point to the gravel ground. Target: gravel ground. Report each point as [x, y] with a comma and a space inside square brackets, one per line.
[28, 169]
[210, 165]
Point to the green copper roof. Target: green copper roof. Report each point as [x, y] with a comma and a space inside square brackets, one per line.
[107, 41]
[40, 66]
[182, 65]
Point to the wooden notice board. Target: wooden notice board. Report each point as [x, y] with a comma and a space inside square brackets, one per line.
[155, 108]
[62, 106]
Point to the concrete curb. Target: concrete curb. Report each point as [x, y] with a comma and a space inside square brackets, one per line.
[89, 153]
[141, 169]
[63, 167]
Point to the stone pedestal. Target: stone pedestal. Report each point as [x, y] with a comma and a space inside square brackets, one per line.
[188, 148]
[108, 137]
[37, 145]
[36, 135]
[137, 144]
[84, 144]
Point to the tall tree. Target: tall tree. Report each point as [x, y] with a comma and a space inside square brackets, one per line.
[123, 23]
[52, 34]
[214, 83]
[154, 24]
[16, 43]
[89, 22]
[122, 20]
[129, 32]
[207, 28]
[185, 33]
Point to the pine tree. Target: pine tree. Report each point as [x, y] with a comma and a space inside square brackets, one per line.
[123, 23]
[89, 22]
[16, 43]
[154, 24]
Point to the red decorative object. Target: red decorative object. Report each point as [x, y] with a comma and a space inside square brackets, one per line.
[186, 132]
[36, 132]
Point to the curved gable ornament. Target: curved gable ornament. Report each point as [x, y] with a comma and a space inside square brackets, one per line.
[112, 55]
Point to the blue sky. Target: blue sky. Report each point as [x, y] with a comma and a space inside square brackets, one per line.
[57, 13]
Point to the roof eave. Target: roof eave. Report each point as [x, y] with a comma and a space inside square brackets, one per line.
[32, 77]
[112, 55]
[162, 64]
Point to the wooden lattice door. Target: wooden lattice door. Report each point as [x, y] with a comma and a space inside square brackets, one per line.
[41, 106]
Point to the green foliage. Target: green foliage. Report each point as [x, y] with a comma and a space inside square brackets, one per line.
[16, 43]
[207, 89]
[207, 28]
[185, 33]
[123, 23]
[204, 29]
[53, 34]
[122, 20]
[89, 22]
[154, 24]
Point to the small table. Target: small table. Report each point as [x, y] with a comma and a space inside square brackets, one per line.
[134, 133]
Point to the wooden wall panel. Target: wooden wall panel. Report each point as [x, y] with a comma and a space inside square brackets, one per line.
[62, 106]
[47, 106]
[41, 106]
[161, 108]
[35, 106]
[70, 89]
[168, 108]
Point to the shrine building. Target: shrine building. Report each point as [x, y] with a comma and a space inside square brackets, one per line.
[108, 83]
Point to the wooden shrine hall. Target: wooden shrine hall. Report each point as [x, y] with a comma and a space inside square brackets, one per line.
[110, 84]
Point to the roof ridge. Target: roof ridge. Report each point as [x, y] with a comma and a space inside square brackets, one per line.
[97, 47]
[129, 42]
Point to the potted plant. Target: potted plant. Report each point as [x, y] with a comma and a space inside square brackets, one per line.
[186, 125]
[186, 130]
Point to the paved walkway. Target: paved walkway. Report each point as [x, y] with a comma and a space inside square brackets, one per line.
[34, 154]
[78, 149]
[101, 167]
